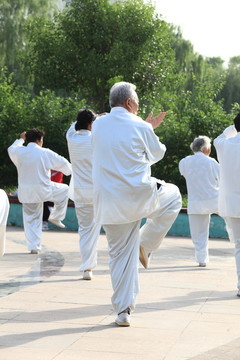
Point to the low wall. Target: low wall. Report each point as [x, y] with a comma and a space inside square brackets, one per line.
[15, 217]
[180, 227]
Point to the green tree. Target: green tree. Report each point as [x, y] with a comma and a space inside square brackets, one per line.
[231, 90]
[13, 16]
[192, 113]
[191, 65]
[20, 112]
[92, 43]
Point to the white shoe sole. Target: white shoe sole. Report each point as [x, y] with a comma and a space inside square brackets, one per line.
[124, 324]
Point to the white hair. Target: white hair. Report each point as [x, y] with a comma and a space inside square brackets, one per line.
[121, 91]
[201, 143]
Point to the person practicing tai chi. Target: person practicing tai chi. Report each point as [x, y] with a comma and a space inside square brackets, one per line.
[4, 211]
[124, 148]
[201, 173]
[80, 152]
[228, 152]
[34, 164]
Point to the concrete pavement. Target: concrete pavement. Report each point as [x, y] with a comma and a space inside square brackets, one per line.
[183, 312]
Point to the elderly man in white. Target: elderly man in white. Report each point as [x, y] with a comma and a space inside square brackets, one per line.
[4, 211]
[80, 152]
[124, 148]
[202, 177]
[228, 151]
[34, 164]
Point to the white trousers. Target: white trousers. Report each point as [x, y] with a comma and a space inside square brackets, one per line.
[124, 239]
[4, 211]
[233, 226]
[199, 229]
[160, 221]
[123, 246]
[32, 215]
[88, 235]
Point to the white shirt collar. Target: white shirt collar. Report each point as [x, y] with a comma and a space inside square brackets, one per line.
[32, 144]
[119, 109]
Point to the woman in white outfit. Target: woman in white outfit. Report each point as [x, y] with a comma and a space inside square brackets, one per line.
[4, 210]
[202, 177]
[80, 152]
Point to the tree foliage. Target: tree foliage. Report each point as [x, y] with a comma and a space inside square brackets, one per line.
[80, 52]
[13, 16]
[20, 112]
[231, 90]
[92, 43]
[192, 113]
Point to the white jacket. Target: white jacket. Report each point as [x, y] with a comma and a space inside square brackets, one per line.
[228, 151]
[80, 152]
[124, 148]
[34, 164]
[202, 177]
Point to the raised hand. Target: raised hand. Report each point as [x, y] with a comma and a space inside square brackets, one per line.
[157, 120]
[23, 135]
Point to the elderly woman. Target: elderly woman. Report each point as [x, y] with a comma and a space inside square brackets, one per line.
[201, 173]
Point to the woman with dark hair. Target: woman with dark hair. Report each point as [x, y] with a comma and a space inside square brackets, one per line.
[80, 152]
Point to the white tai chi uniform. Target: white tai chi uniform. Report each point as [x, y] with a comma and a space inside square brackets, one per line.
[228, 152]
[124, 148]
[202, 177]
[4, 211]
[34, 164]
[80, 152]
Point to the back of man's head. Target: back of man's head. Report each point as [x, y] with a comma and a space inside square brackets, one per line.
[34, 135]
[85, 118]
[121, 91]
[236, 121]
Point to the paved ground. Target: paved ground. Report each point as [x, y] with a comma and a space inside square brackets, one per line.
[183, 312]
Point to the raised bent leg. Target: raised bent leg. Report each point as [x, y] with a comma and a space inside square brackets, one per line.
[60, 200]
[160, 221]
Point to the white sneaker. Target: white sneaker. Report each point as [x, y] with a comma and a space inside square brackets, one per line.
[57, 223]
[143, 257]
[202, 264]
[87, 275]
[123, 318]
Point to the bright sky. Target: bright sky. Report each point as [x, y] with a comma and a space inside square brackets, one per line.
[212, 26]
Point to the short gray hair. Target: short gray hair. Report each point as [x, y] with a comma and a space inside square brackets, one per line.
[201, 143]
[121, 91]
